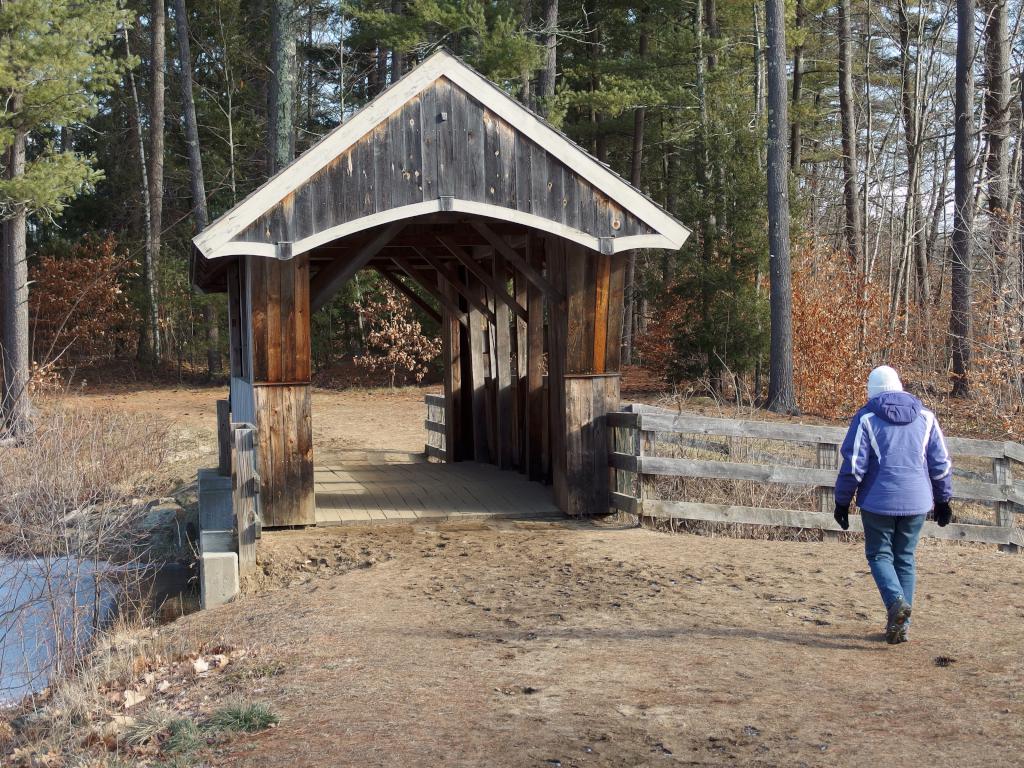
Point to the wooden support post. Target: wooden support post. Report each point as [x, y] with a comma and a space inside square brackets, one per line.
[223, 438]
[452, 373]
[505, 424]
[477, 384]
[282, 405]
[536, 413]
[828, 458]
[520, 423]
[558, 320]
[1003, 475]
[586, 332]
[587, 482]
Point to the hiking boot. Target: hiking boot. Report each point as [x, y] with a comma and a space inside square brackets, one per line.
[896, 627]
[903, 635]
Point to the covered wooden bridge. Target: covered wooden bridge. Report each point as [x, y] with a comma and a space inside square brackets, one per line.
[491, 221]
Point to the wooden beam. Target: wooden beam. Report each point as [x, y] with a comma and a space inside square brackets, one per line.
[410, 294]
[451, 370]
[501, 352]
[536, 417]
[477, 384]
[332, 277]
[510, 253]
[473, 297]
[494, 284]
[445, 301]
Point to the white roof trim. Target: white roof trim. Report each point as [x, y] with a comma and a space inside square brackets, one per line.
[216, 239]
[500, 212]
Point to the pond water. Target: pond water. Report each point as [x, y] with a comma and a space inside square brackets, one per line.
[49, 608]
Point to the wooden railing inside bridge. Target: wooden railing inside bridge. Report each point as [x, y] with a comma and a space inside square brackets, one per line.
[435, 447]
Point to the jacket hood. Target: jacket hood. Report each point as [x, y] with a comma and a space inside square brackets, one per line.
[895, 407]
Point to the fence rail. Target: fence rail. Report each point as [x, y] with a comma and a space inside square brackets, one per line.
[635, 433]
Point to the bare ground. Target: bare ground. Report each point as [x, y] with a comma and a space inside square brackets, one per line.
[546, 644]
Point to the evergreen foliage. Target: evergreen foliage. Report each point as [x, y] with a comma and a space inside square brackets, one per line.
[55, 62]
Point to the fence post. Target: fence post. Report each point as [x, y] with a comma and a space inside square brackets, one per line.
[224, 438]
[827, 459]
[645, 484]
[245, 485]
[1003, 476]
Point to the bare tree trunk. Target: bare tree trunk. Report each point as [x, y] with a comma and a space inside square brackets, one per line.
[781, 397]
[397, 54]
[526, 19]
[636, 168]
[997, 129]
[794, 128]
[1020, 232]
[546, 81]
[195, 167]
[854, 221]
[141, 147]
[758, 66]
[15, 404]
[963, 214]
[281, 132]
[156, 167]
[914, 244]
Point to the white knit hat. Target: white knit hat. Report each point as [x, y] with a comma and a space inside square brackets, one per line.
[883, 379]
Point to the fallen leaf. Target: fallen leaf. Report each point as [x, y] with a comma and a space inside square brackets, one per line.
[200, 665]
[131, 698]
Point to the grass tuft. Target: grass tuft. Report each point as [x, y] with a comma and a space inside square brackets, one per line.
[148, 726]
[185, 736]
[243, 717]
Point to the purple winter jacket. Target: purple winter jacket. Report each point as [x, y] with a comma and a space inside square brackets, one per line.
[894, 458]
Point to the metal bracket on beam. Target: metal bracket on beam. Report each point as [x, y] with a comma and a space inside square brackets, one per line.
[606, 245]
[447, 202]
[285, 250]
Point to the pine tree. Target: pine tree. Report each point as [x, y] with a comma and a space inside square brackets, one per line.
[55, 58]
[781, 397]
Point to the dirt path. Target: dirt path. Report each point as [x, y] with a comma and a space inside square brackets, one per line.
[560, 644]
[575, 645]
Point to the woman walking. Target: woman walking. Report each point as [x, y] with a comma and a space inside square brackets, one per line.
[895, 461]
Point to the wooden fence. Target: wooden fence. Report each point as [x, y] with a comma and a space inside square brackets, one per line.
[635, 434]
[435, 426]
[238, 457]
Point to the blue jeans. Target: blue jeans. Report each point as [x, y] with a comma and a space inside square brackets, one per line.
[889, 544]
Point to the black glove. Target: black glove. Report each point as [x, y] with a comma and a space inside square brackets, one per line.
[943, 513]
[842, 516]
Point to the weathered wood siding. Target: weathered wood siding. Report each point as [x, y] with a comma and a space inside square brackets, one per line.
[281, 365]
[279, 292]
[285, 433]
[594, 296]
[588, 400]
[442, 143]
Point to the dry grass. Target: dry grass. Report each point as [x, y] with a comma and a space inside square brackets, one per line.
[71, 542]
